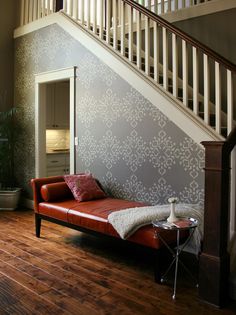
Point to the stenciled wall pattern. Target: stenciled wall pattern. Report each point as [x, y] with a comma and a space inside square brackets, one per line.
[124, 140]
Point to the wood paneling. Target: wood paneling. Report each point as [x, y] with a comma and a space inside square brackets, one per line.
[68, 272]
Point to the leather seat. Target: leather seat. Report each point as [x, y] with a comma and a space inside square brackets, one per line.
[93, 215]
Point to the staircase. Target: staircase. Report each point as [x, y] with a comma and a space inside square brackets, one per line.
[197, 77]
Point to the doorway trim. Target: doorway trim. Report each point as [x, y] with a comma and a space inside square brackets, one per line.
[41, 80]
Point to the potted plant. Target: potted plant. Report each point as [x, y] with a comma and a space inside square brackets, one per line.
[9, 194]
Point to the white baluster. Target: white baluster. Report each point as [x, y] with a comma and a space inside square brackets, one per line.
[75, 9]
[122, 32]
[229, 102]
[88, 14]
[131, 37]
[156, 43]
[162, 6]
[195, 82]
[43, 8]
[108, 22]
[175, 65]
[165, 58]
[82, 11]
[53, 5]
[30, 10]
[139, 42]
[155, 10]
[114, 11]
[48, 7]
[22, 12]
[101, 19]
[147, 46]
[65, 5]
[70, 7]
[95, 16]
[39, 10]
[176, 5]
[148, 5]
[206, 89]
[218, 97]
[185, 72]
[35, 7]
[118, 12]
[26, 12]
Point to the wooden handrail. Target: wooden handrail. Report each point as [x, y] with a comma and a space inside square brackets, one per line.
[175, 30]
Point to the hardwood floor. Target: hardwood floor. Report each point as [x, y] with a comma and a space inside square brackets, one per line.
[67, 272]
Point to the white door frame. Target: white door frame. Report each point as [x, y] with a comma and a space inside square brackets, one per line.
[41, 80]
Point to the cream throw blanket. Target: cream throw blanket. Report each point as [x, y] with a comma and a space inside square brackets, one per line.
[127, 221]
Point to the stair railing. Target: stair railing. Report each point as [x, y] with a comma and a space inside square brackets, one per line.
[198, 77]
[31, 10]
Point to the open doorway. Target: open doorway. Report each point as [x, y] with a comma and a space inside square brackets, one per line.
[55, 123]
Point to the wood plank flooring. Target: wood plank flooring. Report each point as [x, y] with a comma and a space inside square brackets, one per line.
[68, 272]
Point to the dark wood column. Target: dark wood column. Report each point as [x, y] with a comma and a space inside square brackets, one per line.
[214, 260]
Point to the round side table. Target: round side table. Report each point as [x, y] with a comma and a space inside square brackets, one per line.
[183, 223]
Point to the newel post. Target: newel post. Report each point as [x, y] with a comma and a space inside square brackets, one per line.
[214, 260]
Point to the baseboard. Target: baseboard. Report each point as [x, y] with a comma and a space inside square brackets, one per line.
[27, 203]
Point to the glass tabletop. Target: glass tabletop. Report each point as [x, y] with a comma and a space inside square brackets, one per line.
[182, 223]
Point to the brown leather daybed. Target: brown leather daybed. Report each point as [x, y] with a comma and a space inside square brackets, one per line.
[54, 202]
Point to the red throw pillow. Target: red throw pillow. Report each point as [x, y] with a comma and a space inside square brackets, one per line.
[84, 187]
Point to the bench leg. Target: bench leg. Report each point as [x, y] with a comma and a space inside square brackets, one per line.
[160, 261]
[37, 225]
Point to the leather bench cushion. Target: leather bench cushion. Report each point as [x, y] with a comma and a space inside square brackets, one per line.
[93, 216]
[57, 209]
[78, 213]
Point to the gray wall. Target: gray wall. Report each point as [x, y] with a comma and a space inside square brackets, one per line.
[7, 25]
[214, 30]
[128, 144]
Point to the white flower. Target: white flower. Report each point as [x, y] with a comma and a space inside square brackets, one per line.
[173, 200]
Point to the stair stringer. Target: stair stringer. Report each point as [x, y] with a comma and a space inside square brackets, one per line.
[171, 107]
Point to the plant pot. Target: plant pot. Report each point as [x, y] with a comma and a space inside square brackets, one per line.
[9, 199]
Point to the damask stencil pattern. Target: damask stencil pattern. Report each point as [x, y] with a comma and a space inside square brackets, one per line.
[124, 140]
[162, 152]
